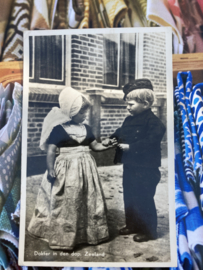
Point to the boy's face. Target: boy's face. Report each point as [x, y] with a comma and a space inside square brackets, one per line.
[135, 108]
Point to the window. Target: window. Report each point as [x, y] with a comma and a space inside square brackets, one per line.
[47, 59]
[111, 60]
[119, 59]
[127, 58]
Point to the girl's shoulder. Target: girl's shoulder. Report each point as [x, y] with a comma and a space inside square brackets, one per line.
[58, 135]
[58, 131]
[57, 128]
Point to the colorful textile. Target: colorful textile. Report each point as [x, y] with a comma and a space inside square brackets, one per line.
[134, 18]
[4, 17]
[195, 141]
[5, 104]
[85, 21]
[9, 132]
[188, 175]
[94, 17]
[108, 13]
[43, 14]
[189, 222]
[188, 145]
[16, 215]
[19, 22]
[187, 36]
[140, 6]
[10, 147]
[158, 12]
[175, 10]
[9, 230]
[2, 112]
[197, 110]
[40, 15]
[73, 19]
[192, 18]
[190, 105]
[79, 187]
[52, 6]
[116, 11]
[100, 18]
[181, 207]
[200, 4]
[61, 19]
[197, 144]
[188, 18]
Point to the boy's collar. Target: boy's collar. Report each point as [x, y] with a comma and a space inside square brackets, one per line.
[142, 113]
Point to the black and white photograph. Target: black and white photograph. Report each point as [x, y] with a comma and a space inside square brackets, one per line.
[98, 149]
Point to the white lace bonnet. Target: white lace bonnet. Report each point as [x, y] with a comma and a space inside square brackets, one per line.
[70, 102]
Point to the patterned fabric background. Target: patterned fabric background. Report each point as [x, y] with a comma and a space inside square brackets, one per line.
[19, 22]
[186, 20]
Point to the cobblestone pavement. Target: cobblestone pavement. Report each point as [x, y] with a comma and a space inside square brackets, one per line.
[119, 248]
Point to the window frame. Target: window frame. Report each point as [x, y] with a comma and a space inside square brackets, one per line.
[119, 85]
[36, 79]
[118, 67]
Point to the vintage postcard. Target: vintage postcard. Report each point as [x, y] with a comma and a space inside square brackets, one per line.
[98, 149]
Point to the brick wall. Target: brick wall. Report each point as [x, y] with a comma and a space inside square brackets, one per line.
[112, 117]
[86, 61]
[154, 66]
[36, 114]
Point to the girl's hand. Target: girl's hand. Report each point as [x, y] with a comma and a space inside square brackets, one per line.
[106, 142]
[124, 146]
[109, 142]
[96, 146]
[51, 175]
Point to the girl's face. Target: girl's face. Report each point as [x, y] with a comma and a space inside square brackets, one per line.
[80, 117]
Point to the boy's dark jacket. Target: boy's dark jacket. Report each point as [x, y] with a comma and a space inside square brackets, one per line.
[143, 133]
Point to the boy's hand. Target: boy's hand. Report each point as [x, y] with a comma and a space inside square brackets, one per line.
[124, 146]
[114, 142]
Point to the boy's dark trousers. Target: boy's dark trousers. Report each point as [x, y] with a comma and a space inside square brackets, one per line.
[139, 187]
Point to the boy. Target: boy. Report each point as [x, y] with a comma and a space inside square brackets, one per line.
[139, 149]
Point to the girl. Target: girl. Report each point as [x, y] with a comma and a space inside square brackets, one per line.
[70, 207]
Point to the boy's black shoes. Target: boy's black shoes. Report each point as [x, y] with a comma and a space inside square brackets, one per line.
[126, 231]
[143, 237]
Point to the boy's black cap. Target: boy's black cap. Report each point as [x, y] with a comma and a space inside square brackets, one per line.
[137, 84]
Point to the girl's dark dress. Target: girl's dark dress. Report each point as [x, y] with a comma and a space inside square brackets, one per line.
[73, 210]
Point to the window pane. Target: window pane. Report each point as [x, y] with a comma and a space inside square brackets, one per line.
[50, 57]
[110, 63]
[31, 57]
[127, 57]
